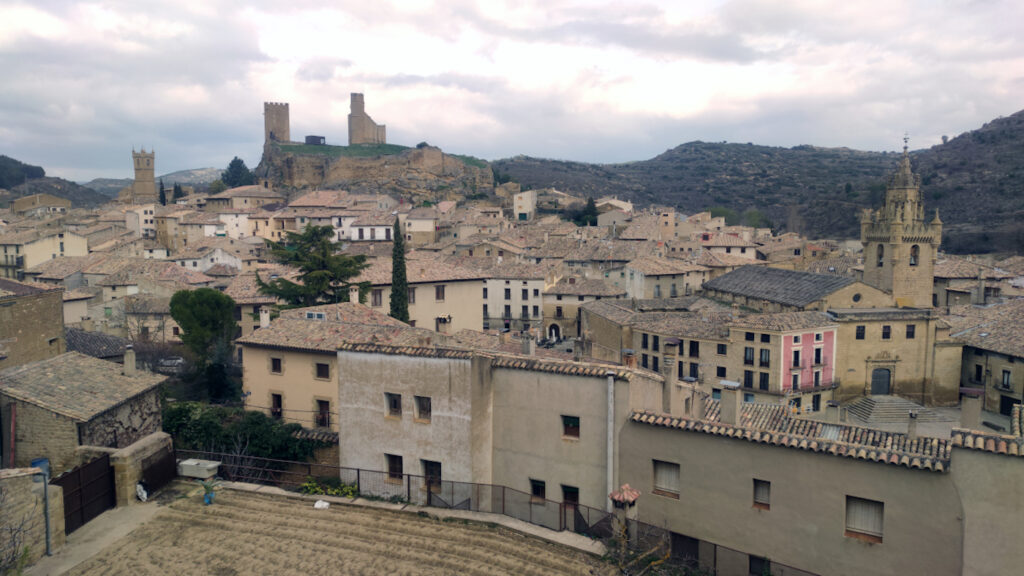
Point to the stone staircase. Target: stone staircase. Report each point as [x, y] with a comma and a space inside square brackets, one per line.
[890, 410]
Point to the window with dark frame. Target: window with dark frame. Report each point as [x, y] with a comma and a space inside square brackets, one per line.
[276, 406]
[423, 408]
[860, 332]
[748, 356]
[886, 332]
[570, 495]
[538, 490]
[748, 336]
[323, 371]
[748, 379]
[394, 403]
[766, 338]
[763, 381]
[431, 475]
[644, 341]
[655, 343]
[395, 473]
[439, 293]
[720, 371]
[722, 349]
[570, 426]
[766, 358]
[275, 365]
[911, 328]
[323, 413]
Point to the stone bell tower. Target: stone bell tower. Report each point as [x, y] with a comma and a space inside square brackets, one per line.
[143, 188]
[899, 245]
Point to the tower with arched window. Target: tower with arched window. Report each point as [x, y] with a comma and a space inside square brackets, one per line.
[899, 245]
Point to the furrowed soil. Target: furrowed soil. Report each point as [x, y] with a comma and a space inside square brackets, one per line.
[246, 533]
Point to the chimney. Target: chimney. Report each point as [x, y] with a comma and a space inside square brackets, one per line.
[697, 404]
[87, 324]
[264, 316]
[912, 425]
[970, 408]
[503, 337]
[628, 358]
[832, 412]
[353, 294]
[577, 350]
[129, 360]
[529, 345]
[730, 403]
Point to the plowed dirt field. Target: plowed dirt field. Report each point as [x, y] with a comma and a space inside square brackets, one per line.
[245, 533]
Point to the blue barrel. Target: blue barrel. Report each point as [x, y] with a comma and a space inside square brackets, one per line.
[44, 465]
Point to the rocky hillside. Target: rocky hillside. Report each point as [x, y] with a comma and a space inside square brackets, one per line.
[818, 191]
[418, 174]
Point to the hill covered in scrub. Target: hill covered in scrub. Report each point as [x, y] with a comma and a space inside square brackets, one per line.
[976, 180]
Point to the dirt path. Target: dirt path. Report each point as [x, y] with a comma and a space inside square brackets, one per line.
[247, 533]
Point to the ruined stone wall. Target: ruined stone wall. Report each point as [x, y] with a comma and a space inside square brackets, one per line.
[361, 128]
[276, 123]
[125, 424]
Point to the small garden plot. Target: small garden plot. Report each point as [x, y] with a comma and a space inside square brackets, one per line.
[246, 533]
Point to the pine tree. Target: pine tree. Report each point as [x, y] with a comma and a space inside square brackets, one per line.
[325, 274]
[399, 283]
[237, 174]
[163, 193]
[178, 192]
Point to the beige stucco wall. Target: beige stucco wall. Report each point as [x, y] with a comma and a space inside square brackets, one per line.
[990, 489]
[297, 383]
[463, 300]
[806, 523]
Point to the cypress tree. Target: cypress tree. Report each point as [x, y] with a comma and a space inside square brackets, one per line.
[399, 283]
[163, 193]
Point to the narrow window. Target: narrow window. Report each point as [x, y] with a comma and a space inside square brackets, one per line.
[748, 379]
[439, 293]
[766, 357]
[864, 519]
[911, 329]
[323, 414]
[655, 343]
[817, 356]
[762, 494]
[508, 293]
[860, 333]
[276, 406]
[915, 254]
[485, 289]
[412, 295]
[763, 381]
[376, 297]
[394, 404]
[796, 359]
[748, 356]
[395, 473]
[571, 426]
[423, 408]
[886, 332]
[526, 294]
[881, 255]
[431, 475]
[275, 365]
[666, 479]
[644, 341]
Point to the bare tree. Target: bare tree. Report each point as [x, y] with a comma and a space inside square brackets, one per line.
[14, 532]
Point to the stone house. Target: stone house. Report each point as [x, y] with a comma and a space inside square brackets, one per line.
[993, 353]
[55, 405]
[242, 197]
[31, 323]
[40, 204]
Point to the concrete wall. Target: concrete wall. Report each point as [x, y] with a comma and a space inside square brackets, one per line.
[38, 433]
[23, 505]
[370, 432]
[990, 489]
[805, 526]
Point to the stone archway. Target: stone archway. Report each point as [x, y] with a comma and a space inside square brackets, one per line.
[554, 332]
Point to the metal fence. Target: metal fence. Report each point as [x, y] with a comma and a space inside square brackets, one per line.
[419, 490]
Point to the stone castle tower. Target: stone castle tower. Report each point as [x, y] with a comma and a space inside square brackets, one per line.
[361, 128]
[143, 188]
[899, 246]
[276, 125]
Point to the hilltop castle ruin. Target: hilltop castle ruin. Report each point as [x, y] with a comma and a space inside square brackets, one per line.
[361, 128]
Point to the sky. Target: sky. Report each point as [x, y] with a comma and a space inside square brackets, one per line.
[86, 82]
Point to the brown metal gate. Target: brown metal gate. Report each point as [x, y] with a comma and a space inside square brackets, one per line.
[159, 469]
[88, 492]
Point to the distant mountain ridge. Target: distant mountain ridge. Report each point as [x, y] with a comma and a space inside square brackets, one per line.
[111, 186]
[976, 180]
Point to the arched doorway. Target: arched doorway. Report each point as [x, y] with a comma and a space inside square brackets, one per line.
[880, 381]
[554, 332]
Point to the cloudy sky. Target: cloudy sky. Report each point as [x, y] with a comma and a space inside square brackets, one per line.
[84, 82]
